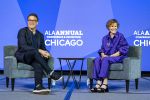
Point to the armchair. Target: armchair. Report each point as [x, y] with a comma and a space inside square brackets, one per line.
[13, 70]
[128, 70]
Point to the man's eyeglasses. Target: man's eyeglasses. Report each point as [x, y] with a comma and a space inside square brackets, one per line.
[32, 20]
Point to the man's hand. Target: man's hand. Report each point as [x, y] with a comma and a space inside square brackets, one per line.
[44, 53]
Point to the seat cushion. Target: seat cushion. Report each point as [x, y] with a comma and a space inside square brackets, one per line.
[116, 67]
[22, 66]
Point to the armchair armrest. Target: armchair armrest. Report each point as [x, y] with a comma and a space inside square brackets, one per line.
[90, 67]
[10, 63]
[132, 66]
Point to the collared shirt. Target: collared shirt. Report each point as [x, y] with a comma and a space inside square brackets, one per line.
[115, 44]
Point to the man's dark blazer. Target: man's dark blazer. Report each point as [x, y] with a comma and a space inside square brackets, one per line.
[25, 42]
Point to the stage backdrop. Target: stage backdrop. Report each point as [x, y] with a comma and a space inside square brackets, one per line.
[74, 28]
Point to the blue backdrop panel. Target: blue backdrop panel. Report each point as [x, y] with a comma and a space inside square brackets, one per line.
[89, 17]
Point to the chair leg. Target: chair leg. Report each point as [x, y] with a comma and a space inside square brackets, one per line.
[136, 83]
[7, 82]
[127, 85]
[91, 83]
[49, 83]
[12, 83]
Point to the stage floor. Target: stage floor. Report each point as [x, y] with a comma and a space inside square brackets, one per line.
[24, 87]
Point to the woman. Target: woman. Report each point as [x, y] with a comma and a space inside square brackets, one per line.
[113, 50]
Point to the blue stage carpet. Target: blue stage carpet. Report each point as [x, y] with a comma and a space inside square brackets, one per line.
[24, 87]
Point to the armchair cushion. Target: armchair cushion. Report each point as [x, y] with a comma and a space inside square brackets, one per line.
[116, 67]
[22, 66]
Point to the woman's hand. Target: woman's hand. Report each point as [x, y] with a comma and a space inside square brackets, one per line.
[115, 54]
[103, 55]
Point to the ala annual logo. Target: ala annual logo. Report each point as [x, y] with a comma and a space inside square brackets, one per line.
[142, 38]
[64, 38]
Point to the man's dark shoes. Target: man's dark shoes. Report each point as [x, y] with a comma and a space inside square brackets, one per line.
[55, 76]
[41, 90]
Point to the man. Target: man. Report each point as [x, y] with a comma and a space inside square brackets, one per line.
[32, 51]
